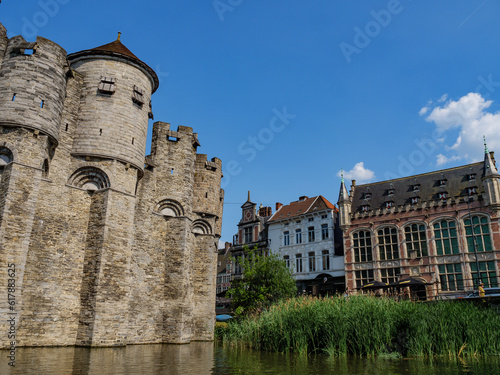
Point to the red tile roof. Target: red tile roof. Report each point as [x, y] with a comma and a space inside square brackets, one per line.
[305, 206]
[116, 47]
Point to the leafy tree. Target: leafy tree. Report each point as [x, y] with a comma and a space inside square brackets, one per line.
[266, 279]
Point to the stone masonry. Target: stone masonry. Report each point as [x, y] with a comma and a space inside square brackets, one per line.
[108, 246]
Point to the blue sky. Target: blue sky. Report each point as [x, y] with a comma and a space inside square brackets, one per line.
[287, 93]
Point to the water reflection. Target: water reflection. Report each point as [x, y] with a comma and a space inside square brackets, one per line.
[205, 358]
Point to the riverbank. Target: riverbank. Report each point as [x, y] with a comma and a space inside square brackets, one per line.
[370, 326]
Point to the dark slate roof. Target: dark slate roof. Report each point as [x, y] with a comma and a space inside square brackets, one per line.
[456, 184]
[301, 207]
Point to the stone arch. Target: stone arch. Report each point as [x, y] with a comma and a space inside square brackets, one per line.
[6, 156]
[170, 208]
[201, 227]
[89, 178]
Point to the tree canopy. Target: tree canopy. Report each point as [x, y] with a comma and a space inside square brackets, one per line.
[266, 279]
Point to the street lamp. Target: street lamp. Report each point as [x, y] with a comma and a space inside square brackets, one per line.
[474, 241]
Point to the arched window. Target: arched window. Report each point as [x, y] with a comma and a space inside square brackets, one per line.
[445, 234]
[362, 246]
[170, 208]
[6, 156]
[201, 227]
[477, 234]
[416, 240]
[388, 243]
[89, 178]
[45, 169]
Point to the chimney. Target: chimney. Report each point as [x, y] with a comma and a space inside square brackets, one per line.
[303, 198]
[278, 205]
[265, 211]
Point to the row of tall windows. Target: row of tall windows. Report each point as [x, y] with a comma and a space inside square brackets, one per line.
[311, 258]
[311, 235]
[477, 236]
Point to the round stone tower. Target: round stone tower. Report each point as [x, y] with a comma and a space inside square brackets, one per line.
[32, 85]
[114, 105]
[3, 41]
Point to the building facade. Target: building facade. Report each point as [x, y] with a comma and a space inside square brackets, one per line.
[106, 246]
[306, 234]
[252, 234]
[438, 227]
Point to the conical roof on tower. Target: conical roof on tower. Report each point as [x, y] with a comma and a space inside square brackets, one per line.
[489, 168]
[117, 48]
[343, 195]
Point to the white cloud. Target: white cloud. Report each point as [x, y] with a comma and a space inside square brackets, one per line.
[359, 173]
[468, 115]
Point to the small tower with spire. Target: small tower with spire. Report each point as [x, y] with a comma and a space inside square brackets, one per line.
[491, 179]
[344, 204]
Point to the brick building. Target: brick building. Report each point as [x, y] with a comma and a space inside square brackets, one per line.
[438, 227]
[110, 246]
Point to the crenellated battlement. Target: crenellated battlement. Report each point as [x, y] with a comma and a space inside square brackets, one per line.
[202, 163]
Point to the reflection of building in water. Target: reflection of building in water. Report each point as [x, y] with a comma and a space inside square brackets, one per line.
[110, 246]
[428, 227]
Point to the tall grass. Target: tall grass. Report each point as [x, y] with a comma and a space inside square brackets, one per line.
[369, 326]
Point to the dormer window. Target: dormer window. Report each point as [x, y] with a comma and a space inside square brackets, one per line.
[471, 177]
[365, 208]
[138, 96]
[472, 190]
[442, 182]
[107, 85]
[367, 195]
[389, 204]
[415, 200]
[415, 187]
[443, 195]
[390, 192]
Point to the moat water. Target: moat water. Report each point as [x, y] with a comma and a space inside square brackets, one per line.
[207, 358]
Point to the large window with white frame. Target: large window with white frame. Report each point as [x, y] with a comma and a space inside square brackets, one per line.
[324, 231]
[286, 238]
[416, 240]
[298, 262]
[388, 243]
[248, 234]
[362, 246]
[478, 232]
[488, 274]
[312, 261]
[390, 275]
[286, 258]
[445, 236]
[451, 278]
[326, 260]
[298, 236]
[363, 277]
[311, 234]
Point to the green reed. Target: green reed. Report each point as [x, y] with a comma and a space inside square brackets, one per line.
[370, 326]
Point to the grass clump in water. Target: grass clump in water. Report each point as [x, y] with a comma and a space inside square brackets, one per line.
[369, 326]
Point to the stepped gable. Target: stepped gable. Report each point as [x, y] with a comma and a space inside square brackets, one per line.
[117, 48]
[456, 182]
[302, 206]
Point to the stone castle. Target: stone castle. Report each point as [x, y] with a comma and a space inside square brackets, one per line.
[105, 246]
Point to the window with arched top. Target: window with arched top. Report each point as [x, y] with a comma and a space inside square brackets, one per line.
[388, 243]
[416, 240]
[201, 227]
[89, 178]
[170, 208]
[362, 246]
[445, 236]
[6, 156]
[45, 169]
[477, 233]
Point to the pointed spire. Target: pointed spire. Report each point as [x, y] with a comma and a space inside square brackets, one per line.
[485, 147]
[489, 168]
[342, 175]
[343, 195]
